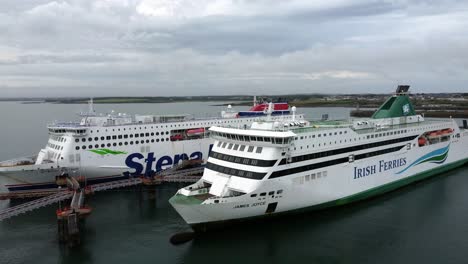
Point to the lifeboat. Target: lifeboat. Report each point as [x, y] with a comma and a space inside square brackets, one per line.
[447, 131]
[195, 132]
[422, 141]
[433, 134]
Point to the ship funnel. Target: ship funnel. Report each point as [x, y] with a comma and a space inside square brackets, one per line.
[398, 105]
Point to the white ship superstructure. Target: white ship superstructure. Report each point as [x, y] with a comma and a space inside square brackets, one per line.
[115, 146]
[275, 168]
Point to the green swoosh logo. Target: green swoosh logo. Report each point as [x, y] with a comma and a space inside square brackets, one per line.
[107, 151]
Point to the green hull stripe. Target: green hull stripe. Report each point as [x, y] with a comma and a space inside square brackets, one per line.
[352, 198]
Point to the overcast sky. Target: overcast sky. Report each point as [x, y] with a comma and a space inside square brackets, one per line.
[202, 47]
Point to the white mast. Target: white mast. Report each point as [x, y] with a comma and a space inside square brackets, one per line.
[91, 106]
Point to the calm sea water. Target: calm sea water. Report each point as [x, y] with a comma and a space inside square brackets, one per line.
[425, 222]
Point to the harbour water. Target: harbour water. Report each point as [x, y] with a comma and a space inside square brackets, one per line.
[426, 222]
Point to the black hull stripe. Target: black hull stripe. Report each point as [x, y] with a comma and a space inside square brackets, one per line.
[328, 163]
[235, 172]
[241, 160]
[346, 150]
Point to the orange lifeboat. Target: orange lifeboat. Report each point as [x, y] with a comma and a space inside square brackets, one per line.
[447, 131]
[195, 132]
[422, 141]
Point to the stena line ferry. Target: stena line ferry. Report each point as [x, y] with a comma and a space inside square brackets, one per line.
[109, 147]
[275, 168]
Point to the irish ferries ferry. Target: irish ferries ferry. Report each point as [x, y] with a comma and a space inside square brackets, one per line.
[278, 167]
[108, 147]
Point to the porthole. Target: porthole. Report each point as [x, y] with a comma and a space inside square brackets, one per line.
[108, 144]
[77, 140]
[77, 147]
[96, 146]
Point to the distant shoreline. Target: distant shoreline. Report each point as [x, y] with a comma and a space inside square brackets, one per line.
[433, 105]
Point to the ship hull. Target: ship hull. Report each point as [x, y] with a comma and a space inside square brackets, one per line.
[339, 187]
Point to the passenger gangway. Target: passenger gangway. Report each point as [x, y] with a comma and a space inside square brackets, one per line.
[187, 175]
[35, 204]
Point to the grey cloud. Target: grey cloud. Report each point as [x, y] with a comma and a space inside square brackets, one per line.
[80, 47]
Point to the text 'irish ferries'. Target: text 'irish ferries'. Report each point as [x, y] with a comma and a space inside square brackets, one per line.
[381, 167]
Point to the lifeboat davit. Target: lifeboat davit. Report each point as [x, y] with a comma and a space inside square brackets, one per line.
[195, 132]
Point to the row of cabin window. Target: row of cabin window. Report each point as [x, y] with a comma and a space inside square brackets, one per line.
[309, 177]
[386, 134]
[59, 139]
[346, 150]
[239, 147]
[235, 172]
[324, 135]
[272, 193]
[180, 125]
[251, 138]
[121, 136]
[57, 147]
[239, 160]
[121, 143]
[328, 163]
